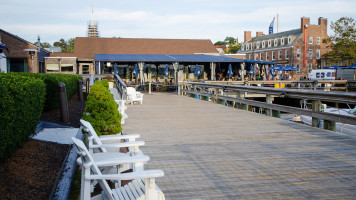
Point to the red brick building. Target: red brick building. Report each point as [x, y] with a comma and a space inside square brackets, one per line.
[18, 60]
[290, 47]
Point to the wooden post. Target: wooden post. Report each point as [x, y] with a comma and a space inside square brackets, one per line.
[80, 90]
[242, 106]
[269, 101]
[63, 104]
[316, 108]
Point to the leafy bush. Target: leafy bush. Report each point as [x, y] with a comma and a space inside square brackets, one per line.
[101, 110]
[104, 82]
[21, 103]
[51, 81]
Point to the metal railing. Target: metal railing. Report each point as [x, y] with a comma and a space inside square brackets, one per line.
[120, 86]
[218, 92]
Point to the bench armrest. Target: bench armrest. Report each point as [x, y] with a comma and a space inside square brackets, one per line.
[130, 137]
[128, 176]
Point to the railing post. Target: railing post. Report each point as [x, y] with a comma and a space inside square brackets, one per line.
[87, 86]
[316, 108]
[63, 104]
[149, 88]
[269, 101]
[242, 106]
[80, 90]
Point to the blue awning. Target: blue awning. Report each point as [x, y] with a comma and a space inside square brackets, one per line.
[170, 58]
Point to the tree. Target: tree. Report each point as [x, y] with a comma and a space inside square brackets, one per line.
[67, 46]
[220, 43]
[343, 42]
[234, 48]
[230, 40]
[44, 44]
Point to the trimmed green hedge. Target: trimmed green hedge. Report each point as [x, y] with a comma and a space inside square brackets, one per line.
[101, 110]
[51, 81]
[21, 103]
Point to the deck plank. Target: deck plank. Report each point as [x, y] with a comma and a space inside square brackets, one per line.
[209, 151]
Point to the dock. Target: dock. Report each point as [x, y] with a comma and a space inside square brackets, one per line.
[210, 151]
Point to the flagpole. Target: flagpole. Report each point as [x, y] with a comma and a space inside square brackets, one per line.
[277, 20]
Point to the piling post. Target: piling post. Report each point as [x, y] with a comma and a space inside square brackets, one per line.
[80, 90]
[269, 101]
[63, 104]
[316, 108]
[242, 106]
[149, 88]
[87, 86]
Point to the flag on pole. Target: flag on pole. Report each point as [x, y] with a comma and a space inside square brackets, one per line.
[270, 30]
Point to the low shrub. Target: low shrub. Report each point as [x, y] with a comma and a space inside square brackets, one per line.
[101, 110]
[51, 81]
[21, 103]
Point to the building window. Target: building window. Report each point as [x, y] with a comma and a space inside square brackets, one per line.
[317, 52]
[273, 55]
[251, 46]
[269, 43]
[242, 47]
[310, 53]
[298, 53]
[85, 69]
[247, 46]
[279, 55]
[267, 56]
[261, 56]
[66, 67]
[53, 67]
[310, 40]
[275, 42]
[257, 45]
[282, 41]
[249, 56]
[287, 54]
[310, 66]
[289, 39]
[318, 40]
[263, 44]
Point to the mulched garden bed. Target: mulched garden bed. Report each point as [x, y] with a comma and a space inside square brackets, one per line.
[32, 170]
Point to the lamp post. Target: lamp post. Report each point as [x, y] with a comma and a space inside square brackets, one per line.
[32, 53]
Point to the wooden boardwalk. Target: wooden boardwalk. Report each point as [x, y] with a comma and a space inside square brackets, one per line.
[209, 151]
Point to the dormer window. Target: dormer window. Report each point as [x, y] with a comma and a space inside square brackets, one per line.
[263, 44]
[247, 46]
[275, 42]
[257, 45]
[289, 39]
[282, 41]
[269, 43]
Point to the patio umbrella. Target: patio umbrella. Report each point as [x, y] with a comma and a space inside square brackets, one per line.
[115, 69]
[135, 71]
[251, 69]
[166, 71]
[352, 67]
[229, 72]
[197, 71]
[333, 67]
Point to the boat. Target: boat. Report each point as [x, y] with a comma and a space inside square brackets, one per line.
[347, 129]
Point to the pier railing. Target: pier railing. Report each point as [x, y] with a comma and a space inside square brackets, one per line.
[337, 85]
[120, 86]
[236, 94]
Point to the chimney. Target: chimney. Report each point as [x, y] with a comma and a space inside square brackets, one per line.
[247, 36]
[304, 21]
[323, 23]
[259, 34]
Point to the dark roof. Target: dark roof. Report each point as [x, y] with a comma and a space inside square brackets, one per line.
[62, 54]
[23, 40]
[276, 35]
[87, 47]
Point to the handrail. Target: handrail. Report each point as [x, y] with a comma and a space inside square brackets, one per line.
[120, 86]
[197, 88]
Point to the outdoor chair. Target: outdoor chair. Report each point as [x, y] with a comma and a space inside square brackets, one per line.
[112, 143]
[133, 95]
[122, 107]
[142, 187]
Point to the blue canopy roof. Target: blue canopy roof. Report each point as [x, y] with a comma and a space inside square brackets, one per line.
[169, 58]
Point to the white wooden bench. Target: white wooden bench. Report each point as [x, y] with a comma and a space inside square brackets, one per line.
[142, 187]
[133, 95]
[122, 107]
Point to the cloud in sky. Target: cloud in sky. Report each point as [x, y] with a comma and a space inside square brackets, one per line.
[195, 19]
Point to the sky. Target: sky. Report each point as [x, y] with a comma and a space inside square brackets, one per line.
[169, 19]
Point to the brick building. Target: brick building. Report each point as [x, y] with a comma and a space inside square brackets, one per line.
[18, 60]
[288, 47]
